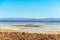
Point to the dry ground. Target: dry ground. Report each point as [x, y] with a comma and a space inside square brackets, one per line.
[11, 33]
[28, 36]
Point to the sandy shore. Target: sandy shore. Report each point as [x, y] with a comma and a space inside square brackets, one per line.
[15, 29]
[13, 33]
[28, 36]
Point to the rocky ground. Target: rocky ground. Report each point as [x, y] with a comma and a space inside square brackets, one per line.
[28, 36]
[12, 33]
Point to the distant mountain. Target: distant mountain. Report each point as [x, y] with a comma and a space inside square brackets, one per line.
[51, 19]
[29, 19]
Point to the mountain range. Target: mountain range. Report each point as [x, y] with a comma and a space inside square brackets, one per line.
[29, 19]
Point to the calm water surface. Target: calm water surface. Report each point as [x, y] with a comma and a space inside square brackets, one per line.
[50, 25]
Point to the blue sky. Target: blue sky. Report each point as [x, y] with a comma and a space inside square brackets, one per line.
[29, 8]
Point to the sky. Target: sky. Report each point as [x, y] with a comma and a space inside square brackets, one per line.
[29, 8]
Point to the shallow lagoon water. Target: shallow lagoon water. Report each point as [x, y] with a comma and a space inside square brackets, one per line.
[49, 25]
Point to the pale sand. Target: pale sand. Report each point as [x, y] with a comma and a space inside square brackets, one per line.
[15, 29]
[13, 33]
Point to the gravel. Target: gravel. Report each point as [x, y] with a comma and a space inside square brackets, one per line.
[28, 36]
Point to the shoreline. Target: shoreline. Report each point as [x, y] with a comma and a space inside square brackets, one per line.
[13, 33]
[15, 29]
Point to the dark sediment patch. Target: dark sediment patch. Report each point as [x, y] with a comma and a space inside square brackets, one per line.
[27, 25]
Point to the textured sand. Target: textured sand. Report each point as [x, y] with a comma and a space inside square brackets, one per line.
[13, 33]
[28, 36]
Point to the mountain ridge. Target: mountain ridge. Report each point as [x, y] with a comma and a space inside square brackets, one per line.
[28, 19]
